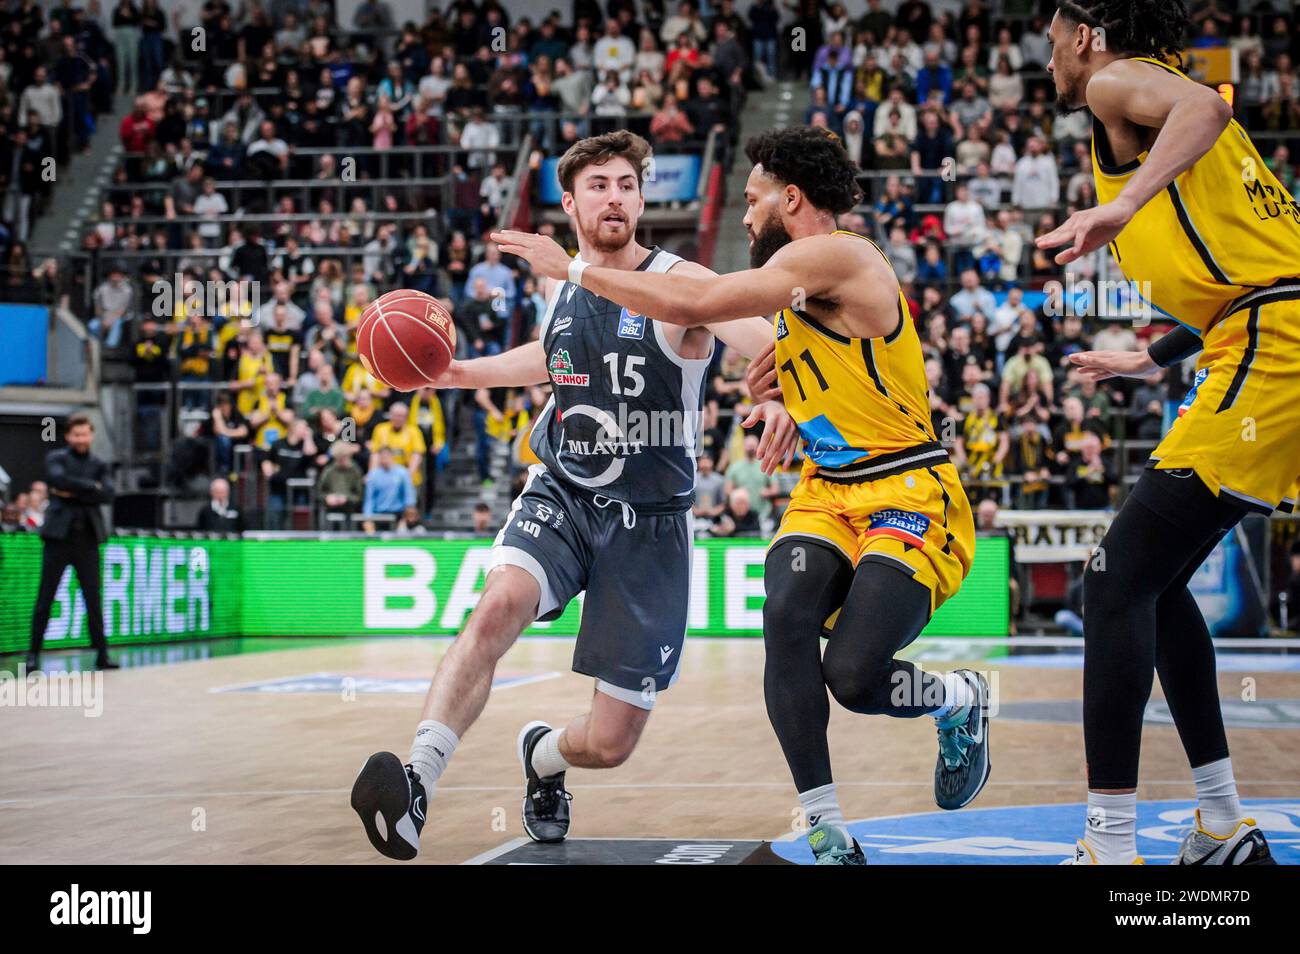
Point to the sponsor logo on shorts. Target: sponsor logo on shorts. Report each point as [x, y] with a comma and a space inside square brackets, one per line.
[561, 369]
[1186, 406]
[631, 325]
[901, 524]
[549, 515]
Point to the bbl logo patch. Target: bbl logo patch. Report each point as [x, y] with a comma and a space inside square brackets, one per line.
[631, 325]
[561, 369]
[901, 525]
[781, 329]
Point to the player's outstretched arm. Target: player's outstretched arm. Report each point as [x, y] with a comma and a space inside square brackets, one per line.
[748, 335]
[691, 299]
[516, 368]
[1169, 349]
[1190, 118]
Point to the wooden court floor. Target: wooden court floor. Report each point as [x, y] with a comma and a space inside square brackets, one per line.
[174, 771]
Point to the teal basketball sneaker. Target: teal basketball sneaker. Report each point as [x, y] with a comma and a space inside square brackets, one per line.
[963, 764]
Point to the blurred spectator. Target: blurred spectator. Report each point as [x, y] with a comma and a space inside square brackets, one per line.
[983, 444]
[389, 489]
[482, 519]
[219, 516]
[710, 496]
[738, 518]
[746, 474]
[1091, 480]
[341, 485]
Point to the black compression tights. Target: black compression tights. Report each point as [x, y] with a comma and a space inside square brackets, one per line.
[1140, 617]
[882, 609]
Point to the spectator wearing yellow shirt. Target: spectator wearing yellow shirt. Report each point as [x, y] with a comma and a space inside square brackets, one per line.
[362, 415]
[404, 439]
[357, 379]
[271, 415]
[254, 366]
[984, 442]
[359, 297]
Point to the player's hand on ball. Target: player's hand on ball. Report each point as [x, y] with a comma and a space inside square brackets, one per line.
[1100, 365]
[761, 376]
[542, 252]
[1087, 231]
[780, 440]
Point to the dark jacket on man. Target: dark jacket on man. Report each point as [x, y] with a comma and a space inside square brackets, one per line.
[78, 474]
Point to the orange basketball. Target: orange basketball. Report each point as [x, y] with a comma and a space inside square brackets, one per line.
[406, 339]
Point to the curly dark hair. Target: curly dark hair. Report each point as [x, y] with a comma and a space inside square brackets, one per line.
[1154, 28]
[812, 159]
[598, 150]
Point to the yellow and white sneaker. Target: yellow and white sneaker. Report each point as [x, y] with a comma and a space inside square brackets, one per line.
[1083, 856]
[1244, 845]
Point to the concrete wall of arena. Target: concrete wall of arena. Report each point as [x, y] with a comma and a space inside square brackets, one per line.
[169, 588]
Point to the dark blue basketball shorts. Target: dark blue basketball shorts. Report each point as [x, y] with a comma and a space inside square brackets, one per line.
[634, 566]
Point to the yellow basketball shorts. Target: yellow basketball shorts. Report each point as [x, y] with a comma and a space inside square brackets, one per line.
[917, 519]
[1238, 428]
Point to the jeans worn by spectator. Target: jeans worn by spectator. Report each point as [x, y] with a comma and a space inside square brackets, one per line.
[277, 504]
[151, 60]
[765, 53]
[482, 443]
[126, 52]
[225, 453]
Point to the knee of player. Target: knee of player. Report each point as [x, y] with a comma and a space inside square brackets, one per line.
[1106, 592]
[612, 746]
[854, 684]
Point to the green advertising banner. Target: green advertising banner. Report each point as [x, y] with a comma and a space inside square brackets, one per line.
[161, 589]
[155, 590]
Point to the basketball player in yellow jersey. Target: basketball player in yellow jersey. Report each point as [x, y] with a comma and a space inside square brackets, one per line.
[1212, 239]
[878, 528]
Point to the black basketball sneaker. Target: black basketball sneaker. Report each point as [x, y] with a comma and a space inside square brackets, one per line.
[546, 803]
[391, 802]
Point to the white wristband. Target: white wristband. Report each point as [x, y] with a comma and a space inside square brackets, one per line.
[576, 267]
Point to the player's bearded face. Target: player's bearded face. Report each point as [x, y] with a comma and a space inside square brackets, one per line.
[769, 238]
[605, 227]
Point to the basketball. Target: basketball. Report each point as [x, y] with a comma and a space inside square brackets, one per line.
[406, 339]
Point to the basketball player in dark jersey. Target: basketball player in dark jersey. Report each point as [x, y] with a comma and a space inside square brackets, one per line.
[606, 512]
[879, 532]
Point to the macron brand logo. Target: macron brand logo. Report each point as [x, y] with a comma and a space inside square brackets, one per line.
[664, 653]
[75, 907]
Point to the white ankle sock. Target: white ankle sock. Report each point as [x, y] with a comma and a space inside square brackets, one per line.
[1112, 828]
[822, 807]
[546, 759]
[957, 693]
[431, 751]
[1216, 797]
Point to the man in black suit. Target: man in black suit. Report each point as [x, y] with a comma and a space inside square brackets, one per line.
[219, 516]
[73, 530]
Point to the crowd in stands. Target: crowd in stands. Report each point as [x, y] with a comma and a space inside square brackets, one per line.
[251, 164]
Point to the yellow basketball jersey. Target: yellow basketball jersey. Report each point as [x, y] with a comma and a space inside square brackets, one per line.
[853, 398]
[1222, 228]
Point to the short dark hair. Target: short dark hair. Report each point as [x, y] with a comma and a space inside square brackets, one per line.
[598, 150]
[77, 419]
[1154, 28]
[812, 159]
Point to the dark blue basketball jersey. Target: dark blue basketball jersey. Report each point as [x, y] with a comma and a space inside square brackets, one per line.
[625, 408]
